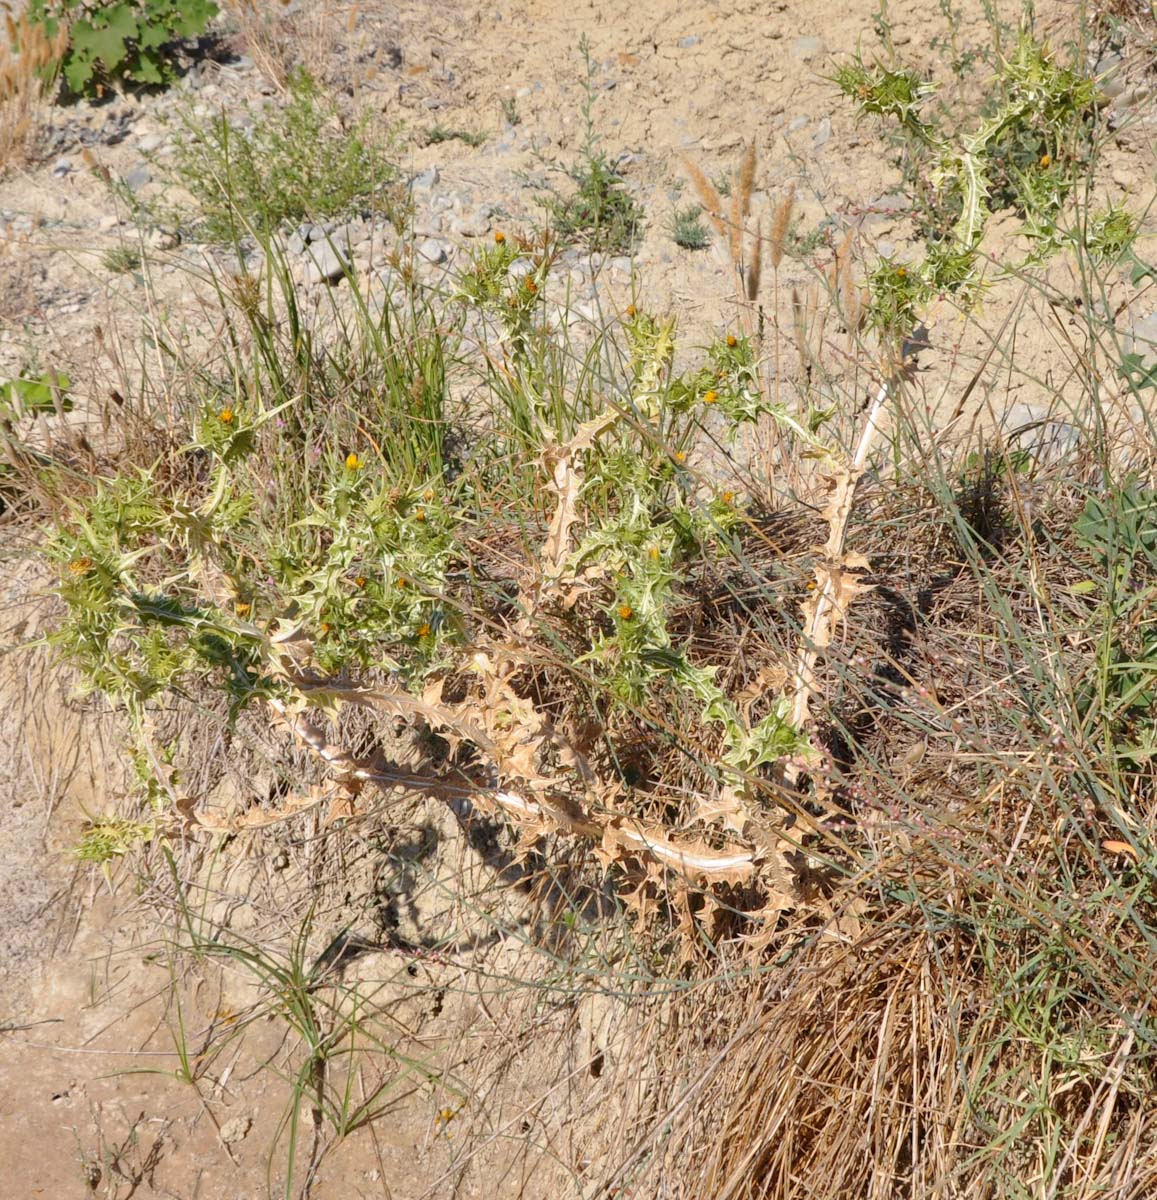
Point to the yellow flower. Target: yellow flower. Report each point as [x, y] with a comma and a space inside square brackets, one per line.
[732, 340]
[499, 237]
[403, 581]
[653, 553]
[1046, 160]
[424, 630]
[420, 515]
[902, 273]
[709, 398]
[225, 416]
[679, 456]
[81, 566]
[728, 497]
[626, 612]
[631, 311]
[428, 495]
[326, 627]
[360, 581]
[241, 608]
[531, 286]
[353, 462]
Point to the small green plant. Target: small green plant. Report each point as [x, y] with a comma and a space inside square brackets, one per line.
[510, 111]
[32, 395]
[120, 260]
[298, 163]
[688, 230]
[106, 839]
[436, 134]
[123, 42]
[1119, 531]
[601, 214]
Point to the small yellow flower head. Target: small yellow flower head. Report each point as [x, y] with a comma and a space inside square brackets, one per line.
[631, 311]
[353, 462]
[1046, 161]
[420, 515]
[653, 554]
[626, 612]
[225, 416]
[709, 398]
[428, 495]
[360, 581]
[81, 566]
[531, 286]
[241, 608]
[679, 456]
[499, 237]
[326, 627]
[732, 340]
[728, 497]
[403, 581]
[902, 273]
[424, 630]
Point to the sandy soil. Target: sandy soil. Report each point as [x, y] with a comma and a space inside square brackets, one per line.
[92, 1029]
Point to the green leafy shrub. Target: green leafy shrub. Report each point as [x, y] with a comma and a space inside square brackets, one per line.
[128, 41]
[298, 163]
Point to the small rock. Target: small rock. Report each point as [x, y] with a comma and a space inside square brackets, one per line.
[163, 238]
[1142, 338]
[62, 167]
[433, 251]
[822, 135]
[805, 48]
[685, 43]
[797, 124]
[295, 243]
[1039, 431]
[150, 142]
[326, 263]
[520, 268]
[428, 226]
[425, 181]
[472, 225]
[138, 177]
[620, 266]
[235, 1130]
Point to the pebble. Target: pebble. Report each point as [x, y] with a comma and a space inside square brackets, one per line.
[685, 43]
[823, 134]
[137, 177]
[325, 262]
[150, 142]
[1039, 431]
[805, 48]
[433, 251]
[424, 181]
[473, 225]
[62, 167]
[520, 268]
[163, 238]
[797, 124]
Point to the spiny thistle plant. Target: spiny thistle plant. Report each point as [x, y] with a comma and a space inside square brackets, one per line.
[1027, 154]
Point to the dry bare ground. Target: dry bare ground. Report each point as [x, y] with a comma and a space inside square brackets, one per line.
[342, 960]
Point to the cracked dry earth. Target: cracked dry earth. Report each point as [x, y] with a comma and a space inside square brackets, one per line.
[94, 1012]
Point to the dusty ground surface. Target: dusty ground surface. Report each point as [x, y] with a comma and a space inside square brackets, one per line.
[92, 1032]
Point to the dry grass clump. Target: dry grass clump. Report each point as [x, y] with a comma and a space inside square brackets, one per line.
[961, 1005]
[28, 61]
